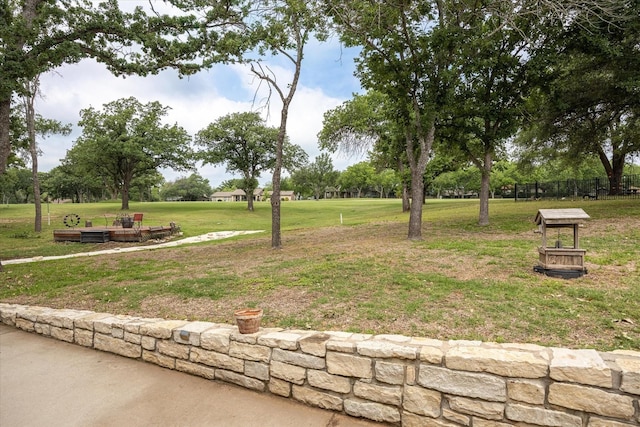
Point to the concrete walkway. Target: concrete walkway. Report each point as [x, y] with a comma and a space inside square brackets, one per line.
[196, 239]
[45, 382]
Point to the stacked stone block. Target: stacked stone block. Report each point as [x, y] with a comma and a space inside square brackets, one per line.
[391, 379]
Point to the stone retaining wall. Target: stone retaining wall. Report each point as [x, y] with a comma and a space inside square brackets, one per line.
[387, 378]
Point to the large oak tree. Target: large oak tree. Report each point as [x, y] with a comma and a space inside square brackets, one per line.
[247, 146]
[486, 105]
[127, 140]
[37, 36]
[406, 55]
[587, 101]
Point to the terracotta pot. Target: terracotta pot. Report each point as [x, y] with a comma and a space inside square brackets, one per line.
[248, 320]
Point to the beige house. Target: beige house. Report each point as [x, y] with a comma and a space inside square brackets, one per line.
[259, 195]
[229, 196]
[237, 196]
[287, 195]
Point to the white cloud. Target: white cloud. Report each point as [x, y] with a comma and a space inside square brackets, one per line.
[195, 102]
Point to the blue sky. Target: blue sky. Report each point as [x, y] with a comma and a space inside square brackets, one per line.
[327, 80]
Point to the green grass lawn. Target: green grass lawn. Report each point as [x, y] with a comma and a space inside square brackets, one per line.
[347, 265]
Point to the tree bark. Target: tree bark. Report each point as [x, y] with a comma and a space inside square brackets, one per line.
[36, 195]
[615, 180]
[250, 201]
[126, 183]
[29, 100]
[249, 193]
[276, 237]
[485, 189]
[415, 211]
[418, 166]
[5, 142]
[406, 203]
[614, 169]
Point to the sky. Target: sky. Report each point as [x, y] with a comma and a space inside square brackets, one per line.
[327, 80]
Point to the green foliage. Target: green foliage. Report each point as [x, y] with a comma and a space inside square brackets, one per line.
[317, 178]
[70, 181]
[191, 188]
[242, 141]
[127, 140]
[39, 36]
[357, 177]
[356, 126]
[586, 102]
[16, 186]
[247, 146]
[385, 182]
[464, 182]
[230, 185]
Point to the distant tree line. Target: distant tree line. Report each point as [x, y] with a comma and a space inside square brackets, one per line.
[315, 180]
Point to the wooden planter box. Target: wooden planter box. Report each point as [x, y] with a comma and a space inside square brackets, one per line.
[562, 258]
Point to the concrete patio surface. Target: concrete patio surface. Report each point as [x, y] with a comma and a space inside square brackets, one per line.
[45, 382]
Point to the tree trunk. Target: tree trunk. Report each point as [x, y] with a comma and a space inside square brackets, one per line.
[615, 180]
[276, 237]
[418, 166]
[36, 197]
[250, 203]
[29, 99]
[485, 187]
[406, 203]
[5, 141]
[614, 169]
[125, 199]
[249, 192]
[415, 211]
[126, 183]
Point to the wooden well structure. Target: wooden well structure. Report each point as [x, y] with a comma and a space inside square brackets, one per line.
[558, 259]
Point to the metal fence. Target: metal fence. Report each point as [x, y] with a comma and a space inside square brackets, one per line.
[592, 189]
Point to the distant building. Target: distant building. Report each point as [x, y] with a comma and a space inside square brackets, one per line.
[287, 195]
[237, 196]
[259, 195]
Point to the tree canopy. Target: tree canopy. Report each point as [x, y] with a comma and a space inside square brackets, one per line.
[247, 146]
[357, 177]
[194, 187]
[39, 35]
[127, 140]
[587, 94]
[407, 54]
[316, 178]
